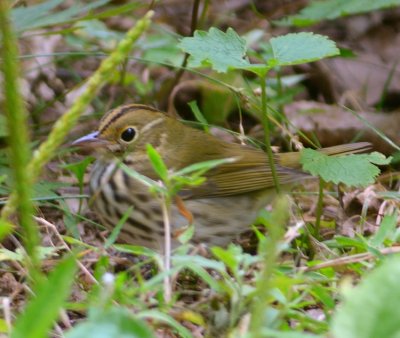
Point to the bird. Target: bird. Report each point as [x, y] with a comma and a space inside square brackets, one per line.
[220, 209]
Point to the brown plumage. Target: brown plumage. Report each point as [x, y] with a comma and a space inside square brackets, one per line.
[225, 205]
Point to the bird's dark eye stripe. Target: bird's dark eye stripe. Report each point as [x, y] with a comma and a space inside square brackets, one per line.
[115, 114]
[128, 134]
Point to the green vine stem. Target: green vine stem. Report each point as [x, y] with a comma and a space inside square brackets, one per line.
[18, 140]
[61, 128]
[266, 126]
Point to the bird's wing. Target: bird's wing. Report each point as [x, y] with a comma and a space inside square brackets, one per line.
[251, 170]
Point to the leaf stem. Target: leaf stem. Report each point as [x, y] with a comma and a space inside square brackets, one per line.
[320, 204]
[266, 125]
[166, 207]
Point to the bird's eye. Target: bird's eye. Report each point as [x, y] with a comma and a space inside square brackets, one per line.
[128, 134]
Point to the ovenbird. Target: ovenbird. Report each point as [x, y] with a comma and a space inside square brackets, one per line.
[221, 208]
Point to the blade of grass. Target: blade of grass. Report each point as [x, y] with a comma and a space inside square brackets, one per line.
[41, 311]
[377, 131]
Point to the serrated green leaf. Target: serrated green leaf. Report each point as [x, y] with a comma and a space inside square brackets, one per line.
[352, 170]
[297, 48]
[41, 311]
[216, 48]
[371, 309]
[115, 322]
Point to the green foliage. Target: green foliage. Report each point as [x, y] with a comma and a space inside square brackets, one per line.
[231, 293]
[268, 249]
[79, 169]
[352, 170]
[113, 322]
[5, 228]
[42, 15]
[173, 182]
[224, 51]
[199, 116]
[3, 129]
[162, 48]
[63, 125]
[115, 232]
[18, 255]
[332, 9]
[298, 48]
[12, 107]
[371, 309]
[216, 48]
[44, 308]
[163, 318]
[157, 162]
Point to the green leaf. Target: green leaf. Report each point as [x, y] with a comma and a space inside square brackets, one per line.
[42, 15]
[112, 12]
[202, 167]
[162, 48]
[164, 318]
[199, 116]
[228, 256]
[157, 162]
[287, 334]
[144, 179]
[137, 250]
[216, 48]
[6, 228]
[187, 234]
[352, 170]
[332, 9]
[79, 168]
[386, 229]
[115, 322]
[19, 255]
[8, 255]
[117, 229]
[297, 48]
[41, 311]
[3, 326]
[371, 309]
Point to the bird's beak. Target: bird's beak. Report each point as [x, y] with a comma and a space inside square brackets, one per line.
[89, 141]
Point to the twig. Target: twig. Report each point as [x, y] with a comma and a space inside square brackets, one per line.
[65, 245]
[165, 206]
[350, 259]
[7, 313]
